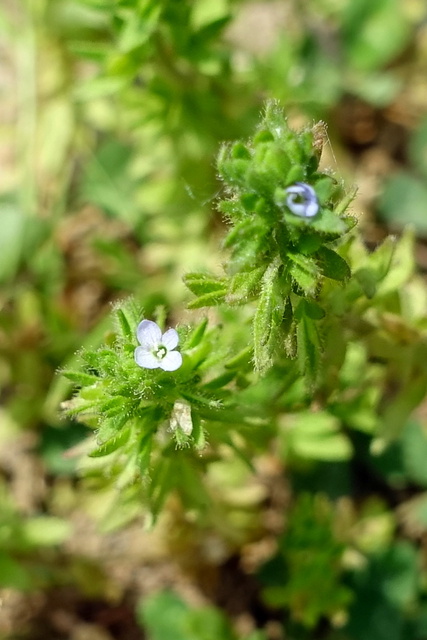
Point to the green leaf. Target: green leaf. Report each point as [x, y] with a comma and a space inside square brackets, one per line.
[367, 280]
[201, 283]
[414, 445]
[124, 325]
[316, 436]
[400, 408]
[309, 349]
[241, 360]
[198, 434]
[374, 32]
[110, 427]
[196, 335]
[332, 265]
[330, 448]
[304, 271]
[310, 309]
[384, 588]
[206, 12]
[209, 299]
[267, 318]
[81, 378]
[166, 617]
[46, 531]
[330, 224]
[101, 87]
[108, 182]
[244, 285]
[402, 264]
[112, 444]
[139, 27]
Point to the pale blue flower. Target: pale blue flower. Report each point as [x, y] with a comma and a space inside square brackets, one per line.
[157, 350]
[302, 200]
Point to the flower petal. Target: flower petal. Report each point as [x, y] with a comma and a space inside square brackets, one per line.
[309, 206]
[148, 334]
[170, 339]
[146, 359]
[171, 362]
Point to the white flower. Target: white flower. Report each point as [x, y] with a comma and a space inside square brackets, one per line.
[302, 200]
[157, 350]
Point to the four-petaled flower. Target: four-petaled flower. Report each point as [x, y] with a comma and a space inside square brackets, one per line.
[157, 350]
[302, 200]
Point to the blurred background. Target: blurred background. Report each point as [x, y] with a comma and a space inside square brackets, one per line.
[112, 113]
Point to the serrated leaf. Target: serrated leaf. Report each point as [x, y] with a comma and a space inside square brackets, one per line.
[329, 224]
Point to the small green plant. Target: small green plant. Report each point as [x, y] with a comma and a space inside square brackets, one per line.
[318, 343]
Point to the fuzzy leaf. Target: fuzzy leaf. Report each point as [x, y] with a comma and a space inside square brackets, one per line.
[80, 378]
[332, 265]
[202, 284]
[304, 271]
[112, 444]
[208, 299]
[244, 285]
[124, 325]
[330, 224]
[267, 318]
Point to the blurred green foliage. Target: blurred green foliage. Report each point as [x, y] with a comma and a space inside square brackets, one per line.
[166, 616]
[113, 114]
